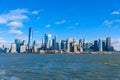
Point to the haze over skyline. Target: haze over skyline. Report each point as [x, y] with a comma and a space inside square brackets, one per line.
[89, 19]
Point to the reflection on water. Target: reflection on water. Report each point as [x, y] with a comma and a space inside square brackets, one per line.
[59, 67]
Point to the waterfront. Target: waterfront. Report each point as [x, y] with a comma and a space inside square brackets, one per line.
[59, 66]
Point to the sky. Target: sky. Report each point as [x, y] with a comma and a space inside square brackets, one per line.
[89, 19]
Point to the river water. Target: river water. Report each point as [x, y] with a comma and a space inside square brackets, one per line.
[59, 66]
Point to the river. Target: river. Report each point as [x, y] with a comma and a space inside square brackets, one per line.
[60, 66]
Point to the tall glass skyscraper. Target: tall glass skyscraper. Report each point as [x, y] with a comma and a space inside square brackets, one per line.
[96, 45]
[17, 42]
[47, 40]
[100, 45]
[30, 37]
[108, 43]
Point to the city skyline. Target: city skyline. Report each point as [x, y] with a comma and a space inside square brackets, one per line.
[76, 19]
[54, 45]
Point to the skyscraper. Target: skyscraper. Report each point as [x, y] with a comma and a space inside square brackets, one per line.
[22, 49]
[55, 42]
[68, 45]
[30, 37]
[108, 43]
[13, 48]
[63, 45]
[75, 47]
[17, 42]
[104, 44]
[95, 45]
[47, 40]
[100, 45]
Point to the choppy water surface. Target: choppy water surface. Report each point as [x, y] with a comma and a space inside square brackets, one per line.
[59, 66]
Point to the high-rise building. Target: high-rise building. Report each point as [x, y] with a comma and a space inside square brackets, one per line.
[17, 42]
[35, 46]
[63, 45]
[56, 39]
[22, 49]
[82, 44]
[24, 42]
[68, 45]
[6, 50]
[55, 42]
[42, 41]
[88, 46]
[42, 45]
[104, 44]
[47, 41]
[95, 45]
[30, 37]
[35, 43]
[108, 44]
[84, 41]
[58, 46]
[100, 45]
[50, 43]
[71, 46]
[74, 47]
[13, 48]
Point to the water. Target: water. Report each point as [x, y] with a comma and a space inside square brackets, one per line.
[59, 66]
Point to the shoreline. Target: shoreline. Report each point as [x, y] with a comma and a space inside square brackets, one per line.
[86, 52]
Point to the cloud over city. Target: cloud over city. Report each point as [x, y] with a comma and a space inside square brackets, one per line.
[15, 19]
[15, 32]
[116, 12]
[112, 23]
[60, 22]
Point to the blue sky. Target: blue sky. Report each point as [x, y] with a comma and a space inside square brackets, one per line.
[90, 19]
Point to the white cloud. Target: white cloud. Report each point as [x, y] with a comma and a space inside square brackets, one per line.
[15, 24]
[47, 26]
[19, 11]
[15, 32]
[35, 12]
[15, 18]
[116, 44]
[116, 12]
[2, 20]
[108, 23]
[14, 15]
[113, 23]
[61, 22]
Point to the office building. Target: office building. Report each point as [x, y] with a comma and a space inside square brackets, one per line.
[35, 49]
[13, 48]
[22, 49]
[24, 42]
[96, 45]
[47, 41]
[30, 37]
[63, 45]
[17, 42]
[100, 45]
[104, 44]
[75, 47]
[68, 45]
[108, 44]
